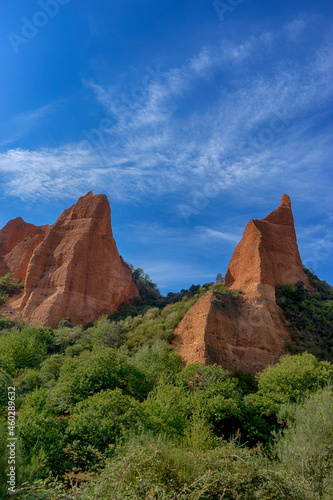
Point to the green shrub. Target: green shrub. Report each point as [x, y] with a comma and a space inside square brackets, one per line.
[159, 469]
[215, 396]
[41, 431]
[167, 410]
[24, 348]
[97, 423]
[50, 369]
[290, 381]
[5, 382]
[6, 323]
[107, 333]
[8, 287]
[309, 315]
[156, 324]
[67, 336]
[305, 448]
[91, 372]
[158, 361]
[28, 380]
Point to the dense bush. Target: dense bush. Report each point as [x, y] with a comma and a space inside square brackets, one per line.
[167, 410]
[159, 469]
[157, 362]
[5, 381]
[97, 424]
[41, 431]
[24, 348]
[215, 396]
[305, 448]
[290, 381]
[309, 315]
[91, 372]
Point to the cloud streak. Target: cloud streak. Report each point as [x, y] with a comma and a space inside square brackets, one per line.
[171, 140]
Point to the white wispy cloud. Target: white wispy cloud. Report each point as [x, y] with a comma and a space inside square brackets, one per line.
[168, 140]
[21, 123]
[212, 234]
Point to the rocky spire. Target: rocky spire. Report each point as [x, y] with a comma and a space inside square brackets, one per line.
[268, 252]
[76, 269]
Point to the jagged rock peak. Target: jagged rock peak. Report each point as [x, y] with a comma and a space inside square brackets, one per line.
[285, 201]
[75, 270]
[14, 232]
[246, 334]
[268, 252]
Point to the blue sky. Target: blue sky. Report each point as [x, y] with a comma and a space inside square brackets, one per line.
[193, 116]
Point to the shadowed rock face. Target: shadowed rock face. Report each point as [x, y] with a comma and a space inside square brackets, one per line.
[75, 270]
[247, 333]
[236, 333]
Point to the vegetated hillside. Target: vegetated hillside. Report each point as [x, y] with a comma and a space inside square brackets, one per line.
[107, 411]
[309, 316]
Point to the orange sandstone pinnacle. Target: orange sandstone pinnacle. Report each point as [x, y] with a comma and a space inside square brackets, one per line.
[268, 252]
[72, 268]
[247, 334]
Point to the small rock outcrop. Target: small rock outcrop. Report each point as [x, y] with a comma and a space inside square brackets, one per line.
[246, 333]
[74, 268]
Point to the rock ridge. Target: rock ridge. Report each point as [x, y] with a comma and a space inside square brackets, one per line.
[251, 336]
[72, 268]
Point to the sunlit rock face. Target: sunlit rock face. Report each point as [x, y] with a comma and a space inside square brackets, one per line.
[247, 333]
[74, 268]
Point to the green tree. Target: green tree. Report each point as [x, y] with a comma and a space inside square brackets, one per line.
[42, 432]
[97, 423]
[305, 448]
[158, 361]
[24, 348]
[8, 287]
[291, 380]
[215, 396]
[91, 372]
[167, 410]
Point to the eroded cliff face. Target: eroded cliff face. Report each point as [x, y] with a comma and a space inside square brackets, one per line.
[18, 239]
[72, 268]
[234, 332]
[267, 253]
[246, 333]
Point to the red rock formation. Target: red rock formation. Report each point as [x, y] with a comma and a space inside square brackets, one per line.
[268, 252]
[16, 262]
[236, 333]
[247, 334]
[14, 232]
[75, 270]
[18, 239]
